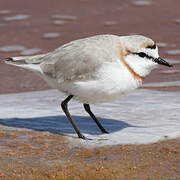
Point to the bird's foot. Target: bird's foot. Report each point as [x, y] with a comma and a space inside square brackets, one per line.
[104, 131]
[83, 137]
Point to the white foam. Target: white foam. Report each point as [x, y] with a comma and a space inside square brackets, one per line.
[145, 116]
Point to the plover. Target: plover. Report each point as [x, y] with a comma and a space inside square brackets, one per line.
[96, 69]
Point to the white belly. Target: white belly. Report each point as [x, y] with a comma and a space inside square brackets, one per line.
[112, 81]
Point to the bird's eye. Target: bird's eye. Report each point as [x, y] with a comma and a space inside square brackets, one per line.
[141, 54]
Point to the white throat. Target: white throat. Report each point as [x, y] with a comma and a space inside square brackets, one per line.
[140, 66]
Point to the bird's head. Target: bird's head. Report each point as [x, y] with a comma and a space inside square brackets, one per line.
[141, 54]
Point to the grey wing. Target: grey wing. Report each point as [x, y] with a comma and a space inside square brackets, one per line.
[75, 60]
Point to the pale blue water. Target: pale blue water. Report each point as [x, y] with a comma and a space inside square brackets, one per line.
[144, 116]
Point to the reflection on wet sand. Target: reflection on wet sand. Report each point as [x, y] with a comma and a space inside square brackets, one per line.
[59, 22]
[178, 21]
[30, 51]
[50, 35]
[17, 17]
[162, 44]
[5, 11]
[173, 61]
[64, 17]
[173, 52]
[11, 48]
[141, 2]
[170, 71]
[161, 84]
[18, 48]
[110, 23]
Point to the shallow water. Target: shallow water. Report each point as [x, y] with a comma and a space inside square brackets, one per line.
[136, 119]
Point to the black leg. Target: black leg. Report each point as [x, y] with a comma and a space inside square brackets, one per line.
[64, 106]
[88, 110]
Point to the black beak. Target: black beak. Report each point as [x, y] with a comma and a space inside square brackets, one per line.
[162, 62]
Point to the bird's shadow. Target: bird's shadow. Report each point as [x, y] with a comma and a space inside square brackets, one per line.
[61, 125]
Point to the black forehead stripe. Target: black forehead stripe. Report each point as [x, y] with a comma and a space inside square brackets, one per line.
[152, 47]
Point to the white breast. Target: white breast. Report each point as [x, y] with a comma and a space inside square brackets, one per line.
[110, 82]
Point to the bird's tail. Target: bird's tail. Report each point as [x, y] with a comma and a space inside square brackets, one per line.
[28, 62]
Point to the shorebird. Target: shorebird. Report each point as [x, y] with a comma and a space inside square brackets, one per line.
[96, 69]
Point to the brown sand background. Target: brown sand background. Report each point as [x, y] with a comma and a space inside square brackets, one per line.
[51, 157]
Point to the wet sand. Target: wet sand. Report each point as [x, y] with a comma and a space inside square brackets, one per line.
[49, 156]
